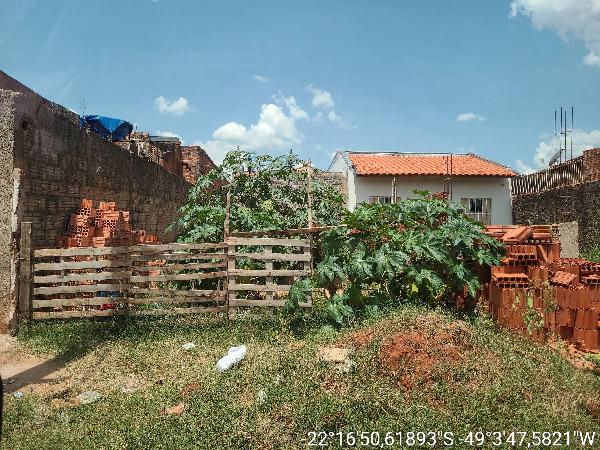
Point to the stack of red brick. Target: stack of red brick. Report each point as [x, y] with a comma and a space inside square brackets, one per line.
[104, 226]
[538, 293]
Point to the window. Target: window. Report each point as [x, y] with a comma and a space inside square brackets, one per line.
[380, 199]
[479, 209]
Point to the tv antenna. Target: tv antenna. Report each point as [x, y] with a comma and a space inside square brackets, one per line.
[561, 135]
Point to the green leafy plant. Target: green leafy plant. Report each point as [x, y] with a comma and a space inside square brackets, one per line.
[533, 319]
[422, 249]
[267, 193]
[592, 253]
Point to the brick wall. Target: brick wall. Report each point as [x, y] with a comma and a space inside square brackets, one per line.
[60, 164]
[579, 203]
[195, 162]
[335, 179]
[6, 208]
[591, 164]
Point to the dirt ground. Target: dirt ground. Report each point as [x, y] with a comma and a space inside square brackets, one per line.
[27, 373]
[413, 356]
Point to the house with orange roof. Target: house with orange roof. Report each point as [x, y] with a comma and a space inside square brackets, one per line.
[481, 185]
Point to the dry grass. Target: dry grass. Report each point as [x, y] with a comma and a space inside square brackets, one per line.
[282, 390]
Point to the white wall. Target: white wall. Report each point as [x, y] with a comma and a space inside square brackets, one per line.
[338, 164]
[496, 188]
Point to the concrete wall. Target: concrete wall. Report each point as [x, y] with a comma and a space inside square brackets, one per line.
[498, 189]
[339, 165]
[60, 165]
[569, 239]
[361, 188]
[579, 203]
[6, 207]
[47, 165]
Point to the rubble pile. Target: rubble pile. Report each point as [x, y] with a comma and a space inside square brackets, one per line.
[538, 293]
[104, 226]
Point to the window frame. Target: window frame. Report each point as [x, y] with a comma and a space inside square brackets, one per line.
[481, 212]
[377, 199]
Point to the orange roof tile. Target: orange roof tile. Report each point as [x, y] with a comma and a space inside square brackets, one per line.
[426, 164]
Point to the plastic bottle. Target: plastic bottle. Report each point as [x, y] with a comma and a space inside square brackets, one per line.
[233, 356]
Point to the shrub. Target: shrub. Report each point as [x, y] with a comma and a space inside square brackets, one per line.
[267, 193]
[592, 253]
[420, 249]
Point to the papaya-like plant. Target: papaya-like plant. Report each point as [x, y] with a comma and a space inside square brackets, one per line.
[423, 249]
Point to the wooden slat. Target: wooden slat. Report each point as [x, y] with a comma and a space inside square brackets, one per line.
[273, 256]
[175, 247]
[290, 231]
[79, 301]
[143, 301]
[178, 256]
[84, 313]
[176, 292]
[50, 290]
[170, 312]
[269, 268]
[100, 276]
[79, 251]
[67, 265]
[282, 242]
[271, 273]
[245, 302]
[190, 266]
[260, 287]
[178, 276]
[125, 312]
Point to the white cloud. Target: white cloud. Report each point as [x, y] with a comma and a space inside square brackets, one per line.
[321, 99]
[469, 117]
[275, 130]
[177, 107]
[168, 134]
[577, 18]
[323, 102]
[261, 78]
[582, 140]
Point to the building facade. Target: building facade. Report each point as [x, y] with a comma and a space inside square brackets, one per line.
[482, 186]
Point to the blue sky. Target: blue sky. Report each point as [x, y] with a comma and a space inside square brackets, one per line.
[318, 76]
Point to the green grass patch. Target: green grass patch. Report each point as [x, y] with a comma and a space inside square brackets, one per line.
[592, 253]
[281, 391]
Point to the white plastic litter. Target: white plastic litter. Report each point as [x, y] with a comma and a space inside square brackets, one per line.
[261, 397]
[234, 355]
[87, 397]
[18, 394]
[188, 346]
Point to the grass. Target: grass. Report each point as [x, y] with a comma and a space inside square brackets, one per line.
[592, 253]
[281, 391]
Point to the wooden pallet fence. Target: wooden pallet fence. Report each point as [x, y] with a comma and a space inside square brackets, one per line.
[160, 279]
[79, 282]
[178, 278]
[283, 261]
[136, 280]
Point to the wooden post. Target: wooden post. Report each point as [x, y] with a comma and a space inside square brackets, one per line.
[309, 189]
[25, 272]
[230, 278]
[269, 267]
[229, 250]
[227, 214]
[310, 215]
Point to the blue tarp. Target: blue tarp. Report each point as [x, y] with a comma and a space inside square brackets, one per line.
[107, 127]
